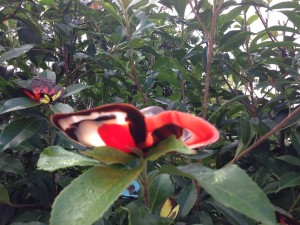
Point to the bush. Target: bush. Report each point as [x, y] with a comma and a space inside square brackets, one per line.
[61, 57]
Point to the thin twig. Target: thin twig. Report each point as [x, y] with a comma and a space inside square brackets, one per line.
[267, 135]
[133, 69]
[198, 18]
[14, 13]
[233, 92]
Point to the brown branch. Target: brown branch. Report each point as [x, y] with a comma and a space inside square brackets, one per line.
[134, 77]
[14, 13]
[267, 135]
[210, 58]
[198, 18]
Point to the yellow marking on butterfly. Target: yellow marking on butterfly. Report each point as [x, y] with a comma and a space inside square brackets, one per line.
[46, 99]
[57, 95]
[169, 209]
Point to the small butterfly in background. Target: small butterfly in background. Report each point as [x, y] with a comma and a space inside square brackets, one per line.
[43, 90]
[126, 128]
[169, 209]
[285, 219]
[132, 190]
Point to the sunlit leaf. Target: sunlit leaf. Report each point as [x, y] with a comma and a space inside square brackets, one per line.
[96, 190]
[246, 197]
[109, 155]
[169, 145]
[55, 157]
[17, 104]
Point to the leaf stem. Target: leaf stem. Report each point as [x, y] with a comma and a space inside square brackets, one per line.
[145, 184]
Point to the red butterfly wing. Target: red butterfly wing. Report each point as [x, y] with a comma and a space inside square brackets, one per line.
[120, 126]
[200, 132]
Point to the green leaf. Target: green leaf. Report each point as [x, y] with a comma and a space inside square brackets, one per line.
[171, 144]
[4, 197]
[284, 5]
[61, 108]
[74, 89]
[179, 6]
[231, 15]
[232, 216]
[290, 179]
[246, 135]
[17, 104]
[109, 155]
[10, 164]
[295, 139]
[88, 197]
[139, 214]
[56, 157]
[294, 17]
[290, 159]
[186, 200]
[46, 2]
[4, 86]
[136, 43]
[161, 188]
[271, 44]
[233, 38]
[112, 11]
[233, 188]
[144, 28]
[15, 52]
[18, 131]
[233, 100]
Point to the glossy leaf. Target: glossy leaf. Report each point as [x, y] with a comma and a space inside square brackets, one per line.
[110, 155]
[171, 144]
[290, 159]
[100, 187]
[290, 179]
[15, 52]
[4, 197]
[144, 28]
[61, 108]
[55, 157]
[232, 216]
[10, 164]
[112, 11]
[74, 89]
[246, 198]
[139, 214]
[18, 131]
[161, 188]
[17, 104]
[247, 133]
[186, 200]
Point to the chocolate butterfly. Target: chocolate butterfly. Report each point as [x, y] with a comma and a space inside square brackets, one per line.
[124, 127]
[43, 90]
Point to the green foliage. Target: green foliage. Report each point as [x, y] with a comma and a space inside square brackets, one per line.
[151, 53]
